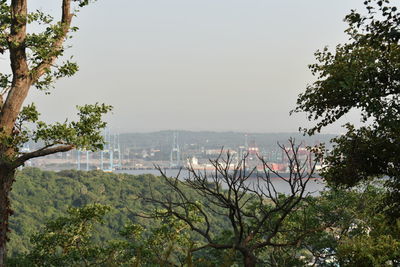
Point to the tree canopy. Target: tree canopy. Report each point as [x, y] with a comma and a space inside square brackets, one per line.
[338, 227]
[364, 75]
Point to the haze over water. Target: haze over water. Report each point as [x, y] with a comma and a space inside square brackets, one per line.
[314, 186]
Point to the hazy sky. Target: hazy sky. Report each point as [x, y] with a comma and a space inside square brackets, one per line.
[196, 65]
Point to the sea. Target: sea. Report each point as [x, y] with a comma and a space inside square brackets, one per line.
[314, 186]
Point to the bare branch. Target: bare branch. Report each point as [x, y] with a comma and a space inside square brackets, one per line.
[255, 210]
[47, 150]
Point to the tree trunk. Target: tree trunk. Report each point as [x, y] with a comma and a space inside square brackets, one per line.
[6, 180]
[249, 259]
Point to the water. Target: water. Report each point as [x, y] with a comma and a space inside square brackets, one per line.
[314, 186]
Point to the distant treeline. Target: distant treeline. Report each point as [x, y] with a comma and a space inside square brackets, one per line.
[207, 139]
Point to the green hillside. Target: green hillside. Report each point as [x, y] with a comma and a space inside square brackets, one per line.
[349, 224]
[39, 196]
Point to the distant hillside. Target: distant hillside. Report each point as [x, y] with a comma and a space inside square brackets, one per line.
[164, 139]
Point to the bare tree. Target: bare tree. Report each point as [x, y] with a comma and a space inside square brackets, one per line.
[254, 209]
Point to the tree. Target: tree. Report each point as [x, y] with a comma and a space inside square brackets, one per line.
[68, 241]
[255, 213]
[363, 74]
[165, 242]
[359, 233]
[32, 58]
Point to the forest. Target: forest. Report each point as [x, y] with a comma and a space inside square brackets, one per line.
[77, 218]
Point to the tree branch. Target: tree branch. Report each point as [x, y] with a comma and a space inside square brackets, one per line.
[65, 24]
[47, 150]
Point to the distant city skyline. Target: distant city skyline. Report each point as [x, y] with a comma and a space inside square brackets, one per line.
[228, 65]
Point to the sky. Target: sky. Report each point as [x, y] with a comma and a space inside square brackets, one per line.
[217, 65]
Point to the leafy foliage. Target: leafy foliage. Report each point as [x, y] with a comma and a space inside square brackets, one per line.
[41, 46]
[81, 133]
[34, 57]
[39, 196]
[84, 133]
[345, 227]
[363, 74]
[67, 240]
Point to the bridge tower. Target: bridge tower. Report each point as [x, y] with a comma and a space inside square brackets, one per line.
[175, 156]
[110, 156]
[108, 151]
[117, 150]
